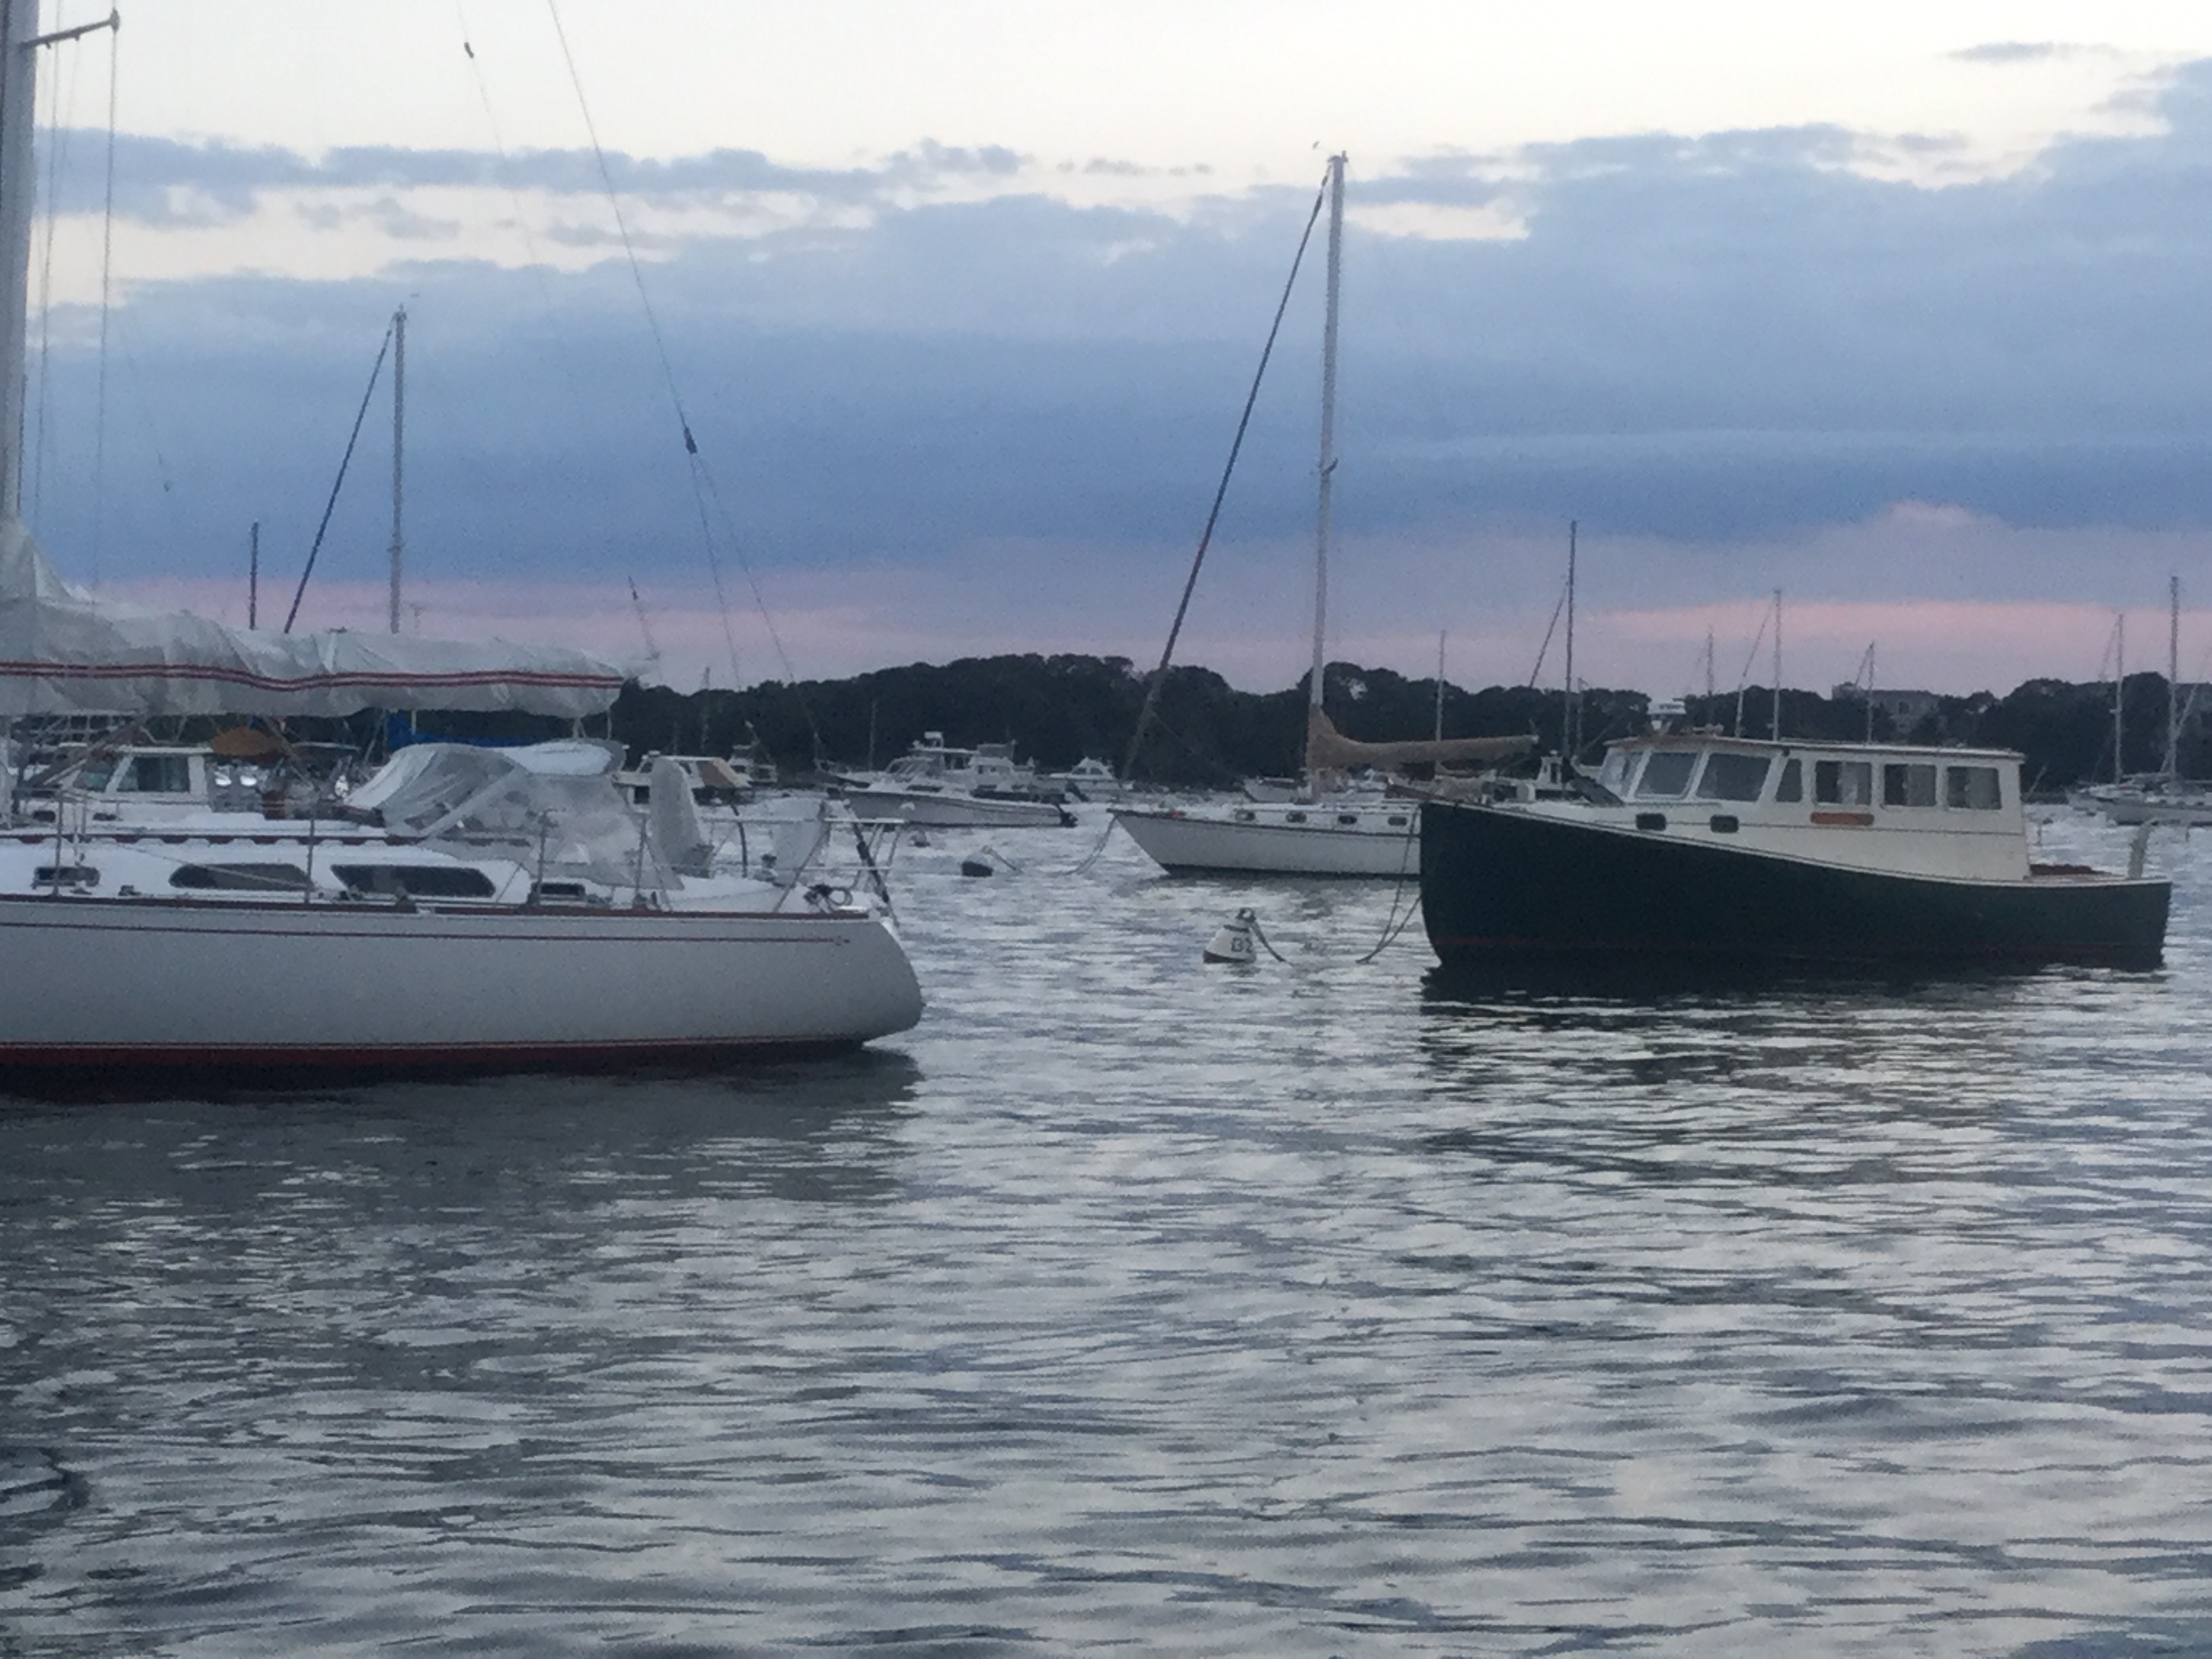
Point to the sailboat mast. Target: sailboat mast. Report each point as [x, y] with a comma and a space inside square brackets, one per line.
[1567, 716]
[2119, 685]
[2173, 675]
[1440, 687]
[1778, 664]
[19, 22]
[399, 447]
[1328, 425]
[19, 78]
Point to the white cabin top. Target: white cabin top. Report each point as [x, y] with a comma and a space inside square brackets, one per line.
[1912, 809]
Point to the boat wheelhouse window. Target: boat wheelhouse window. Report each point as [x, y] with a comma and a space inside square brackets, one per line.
[93, 776]
[1842, 783]
[158, 774]
[240, 878]
[1905, 784]
[1732, 777]
[1974, 787]
[1612, 772]
[1792, 787]
[416, 880]
[1667, 775]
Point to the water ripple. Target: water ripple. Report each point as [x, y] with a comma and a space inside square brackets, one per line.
[1323, 1308]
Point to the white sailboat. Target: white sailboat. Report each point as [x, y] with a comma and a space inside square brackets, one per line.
[508, 920]
[2165, 796]
[1321, 830]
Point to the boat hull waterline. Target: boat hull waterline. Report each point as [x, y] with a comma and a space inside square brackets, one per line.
[1500, 885]
[1193, 844]
[165, 982]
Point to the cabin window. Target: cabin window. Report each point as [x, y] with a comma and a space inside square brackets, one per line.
[1347, 818]
[1294, 817]
[1732, 777]
[1667, 774]
[93, 776]
[1974, 787]
[416, 880]
[1399, 820]
[66, 875]
[240, 878]
[158, 774]
[1244, 815]
[1792, 787]
[1842, 783]
[1630, 769]
[1905, 784]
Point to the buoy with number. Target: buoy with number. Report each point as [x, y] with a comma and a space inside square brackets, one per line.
[1233, 943]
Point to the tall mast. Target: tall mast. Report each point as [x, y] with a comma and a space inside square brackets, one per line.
[1440, 687]
[1567, 714]
[19, 25]
[2119, 685]
[399, 447]
[2173, 675]
[18, 40]
[1778, 664]
[1328, 425]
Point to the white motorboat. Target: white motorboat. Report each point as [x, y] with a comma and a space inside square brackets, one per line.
[714, 780]
[938, 786]
[1325, 827]
[500, 913]
[1089, 779]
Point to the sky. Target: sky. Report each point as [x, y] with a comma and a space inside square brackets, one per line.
[1894, 308]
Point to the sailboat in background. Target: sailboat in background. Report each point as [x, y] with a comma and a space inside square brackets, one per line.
[499, 913]
[1324, 829]
[2163, 796]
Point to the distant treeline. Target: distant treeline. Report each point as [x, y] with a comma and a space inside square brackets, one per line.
[1056, 710]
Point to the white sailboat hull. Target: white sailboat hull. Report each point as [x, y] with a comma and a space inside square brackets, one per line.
[167, 982]
[953, 809]
[1204, 843]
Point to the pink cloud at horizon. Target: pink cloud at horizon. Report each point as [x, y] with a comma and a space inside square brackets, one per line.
[1950, 645]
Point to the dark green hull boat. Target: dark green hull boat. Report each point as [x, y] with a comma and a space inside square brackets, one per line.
[1503, 885]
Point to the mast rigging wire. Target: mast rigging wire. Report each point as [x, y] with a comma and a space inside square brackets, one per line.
[344, 461]
[106, 274]
[1221, 490]
[57, 149]
[514, 195]
[702, 482]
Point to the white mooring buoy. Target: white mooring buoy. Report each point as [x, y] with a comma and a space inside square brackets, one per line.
[1233, 943]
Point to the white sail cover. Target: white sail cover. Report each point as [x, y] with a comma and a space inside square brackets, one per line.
[62, 651]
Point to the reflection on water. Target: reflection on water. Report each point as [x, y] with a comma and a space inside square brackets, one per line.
[1321, 1308]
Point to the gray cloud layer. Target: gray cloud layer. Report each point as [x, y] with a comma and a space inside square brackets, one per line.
[1699, 339]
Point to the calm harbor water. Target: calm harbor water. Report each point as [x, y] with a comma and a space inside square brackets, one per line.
[1312, 1309]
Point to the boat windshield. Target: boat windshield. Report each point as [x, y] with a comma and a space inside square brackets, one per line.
[1666, 774]
[1732, 777]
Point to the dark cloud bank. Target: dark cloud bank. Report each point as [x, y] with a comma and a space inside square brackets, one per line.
[1700, 341]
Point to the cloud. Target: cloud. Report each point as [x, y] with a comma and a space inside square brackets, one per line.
[2015, 51]
[1738, 360]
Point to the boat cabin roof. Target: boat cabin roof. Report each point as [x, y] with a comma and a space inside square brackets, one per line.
[1889, 751]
